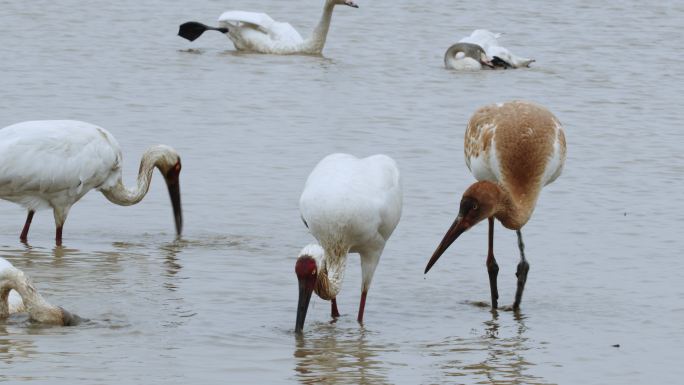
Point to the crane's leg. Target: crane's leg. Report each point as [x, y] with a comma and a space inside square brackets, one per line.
[362, 306]
[492, 267]
[333, 308]
[24, 233]
[521, 273]
[60, 218]
[369, 261]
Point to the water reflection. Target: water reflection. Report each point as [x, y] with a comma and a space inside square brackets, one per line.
[497, 359]
[12, 349]
[338, 356]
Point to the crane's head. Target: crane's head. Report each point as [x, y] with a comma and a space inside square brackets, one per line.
[167, 160]
[348, 3]
[479, 202]
[306, 269]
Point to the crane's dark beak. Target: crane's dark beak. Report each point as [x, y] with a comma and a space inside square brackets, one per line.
[457, 228]
[351, 4]
[305, 291]
[173, 183]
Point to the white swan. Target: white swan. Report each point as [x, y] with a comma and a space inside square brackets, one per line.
[258, 32]
[501, 57]
[466, 56]
[18, 295]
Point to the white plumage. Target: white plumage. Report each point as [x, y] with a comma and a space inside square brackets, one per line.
[14, 302]
[349, 205]
[489, 42]
[54, 163]
[258, 32]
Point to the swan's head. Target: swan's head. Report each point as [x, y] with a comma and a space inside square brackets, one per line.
[479, 202]
[167, 160]
[306, 269]
[348, 3]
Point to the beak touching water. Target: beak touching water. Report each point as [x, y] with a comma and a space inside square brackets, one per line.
[173, 183]
[303, 304]
[457, 228]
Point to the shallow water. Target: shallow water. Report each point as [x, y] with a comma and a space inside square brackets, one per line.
[219, 305]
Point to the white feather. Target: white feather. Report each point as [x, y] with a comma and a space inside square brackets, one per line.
[353, 205]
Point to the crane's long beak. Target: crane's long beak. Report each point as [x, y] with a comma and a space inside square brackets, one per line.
[457, 228]
[173, 183]
[303, 304]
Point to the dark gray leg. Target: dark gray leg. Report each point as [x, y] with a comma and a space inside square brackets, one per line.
[492, 267]
[521, 273]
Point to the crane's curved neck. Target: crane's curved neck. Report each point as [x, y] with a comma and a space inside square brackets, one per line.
[38, 308]
[515, 208]
[315, 43]
[331, 273]
[124, 196]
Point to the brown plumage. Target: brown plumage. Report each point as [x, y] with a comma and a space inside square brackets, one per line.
[513, 149]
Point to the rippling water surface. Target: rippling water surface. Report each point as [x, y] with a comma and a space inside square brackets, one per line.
[219, 305]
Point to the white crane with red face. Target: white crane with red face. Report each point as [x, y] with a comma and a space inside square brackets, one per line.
[350, 205]
[513, 149]
[54, 163]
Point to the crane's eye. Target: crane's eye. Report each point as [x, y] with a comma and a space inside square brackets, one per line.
[475, 206]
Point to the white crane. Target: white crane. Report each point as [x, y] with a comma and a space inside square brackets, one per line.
[53, 163]
[18, 295]
[513, 149]
[258, 32]
[350, 205]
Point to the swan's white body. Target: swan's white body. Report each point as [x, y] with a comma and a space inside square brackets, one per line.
[463, 63]
[488, 41]
[54, 163]
[258, 32]
[350, 205]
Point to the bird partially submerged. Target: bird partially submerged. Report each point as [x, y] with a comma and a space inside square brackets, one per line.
[258, 32]
[466, 56]
[501, 57]
[18, 295]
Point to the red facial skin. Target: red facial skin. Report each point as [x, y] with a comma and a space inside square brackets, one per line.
[307, 274]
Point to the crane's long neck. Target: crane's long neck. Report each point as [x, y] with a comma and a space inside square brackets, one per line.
[515, 207]
[316, 42]
[38, 308]
[331, 274]
[124, 196]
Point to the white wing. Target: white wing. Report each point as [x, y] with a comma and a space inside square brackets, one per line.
[58, 159]
[256, 19]
[483, 38]
[488, 41]
[351, 197]
[248, 22]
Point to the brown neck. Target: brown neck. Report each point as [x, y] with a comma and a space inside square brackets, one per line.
[515, 209]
